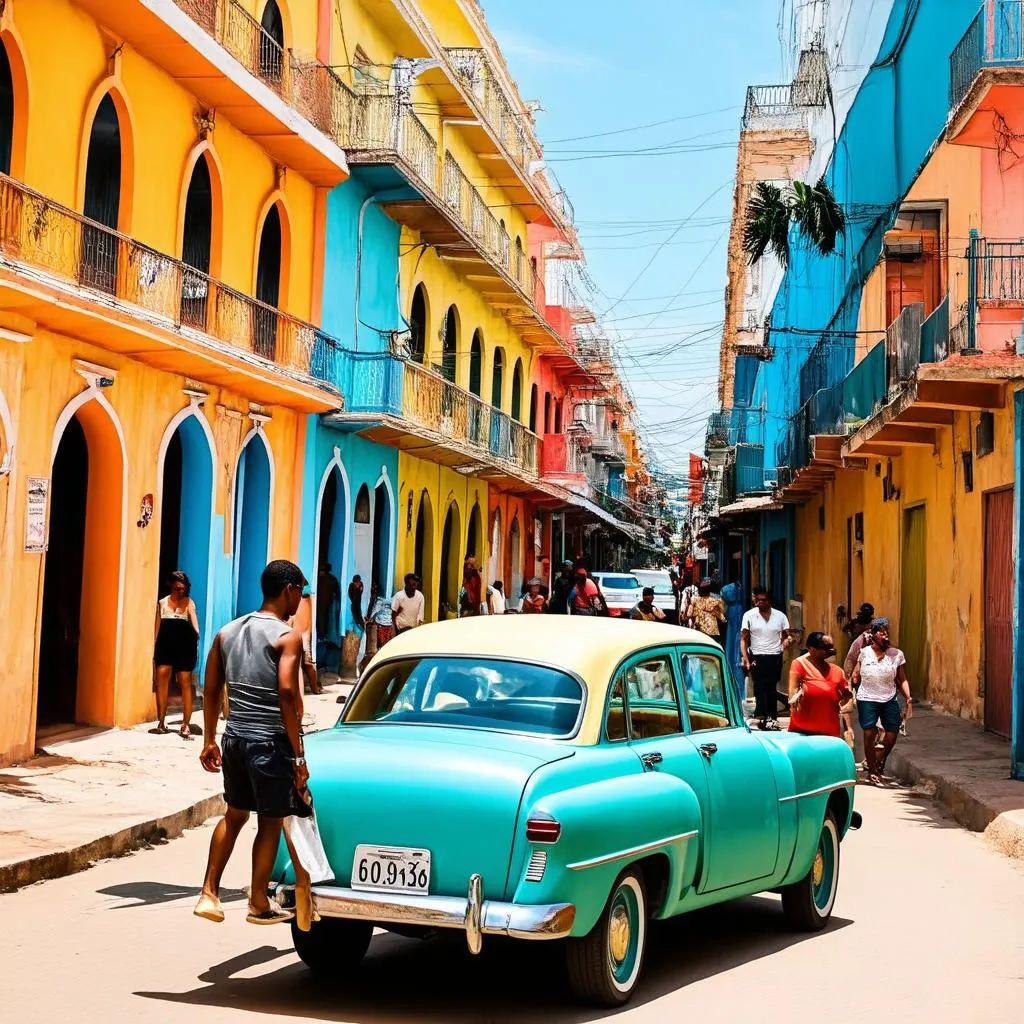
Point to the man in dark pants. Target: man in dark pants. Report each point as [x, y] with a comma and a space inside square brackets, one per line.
[560, 590]
[764, 635]
[259, 656]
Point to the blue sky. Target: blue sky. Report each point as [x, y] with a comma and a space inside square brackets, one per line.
[599, 67]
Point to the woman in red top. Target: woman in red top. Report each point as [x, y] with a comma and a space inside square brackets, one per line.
[817, 689]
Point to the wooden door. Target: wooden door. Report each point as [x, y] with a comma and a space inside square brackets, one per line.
[999, 610]
[913, 631]
[913, 280]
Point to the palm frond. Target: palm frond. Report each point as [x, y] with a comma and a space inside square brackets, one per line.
[767, 224]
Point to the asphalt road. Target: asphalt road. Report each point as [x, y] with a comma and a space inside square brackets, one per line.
[928, 926]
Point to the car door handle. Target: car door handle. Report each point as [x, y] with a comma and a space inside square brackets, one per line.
[650, 760]
[708, 749]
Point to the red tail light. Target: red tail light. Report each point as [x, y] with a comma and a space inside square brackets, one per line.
[543, 830]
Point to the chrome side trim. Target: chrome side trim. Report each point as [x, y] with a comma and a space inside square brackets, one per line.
[472, 914]
[582, 865]
[817, 792]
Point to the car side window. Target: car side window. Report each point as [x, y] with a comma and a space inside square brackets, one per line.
[616, 724]
[653, 696]
[704, 688]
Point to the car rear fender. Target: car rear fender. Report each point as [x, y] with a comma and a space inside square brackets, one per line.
[606, 826]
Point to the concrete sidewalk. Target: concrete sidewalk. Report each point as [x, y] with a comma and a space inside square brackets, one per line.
[967, 771]
[101, 793]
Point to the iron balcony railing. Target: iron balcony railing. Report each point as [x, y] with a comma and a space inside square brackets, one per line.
[39, 233]
[384, 125]
[994, 38]
[608, 446]
[998, 269]
[730, 427]
[903, 346]
[866, 386]
[828, 362]
[771, 107]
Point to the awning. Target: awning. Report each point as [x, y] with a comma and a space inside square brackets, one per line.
[763, 503]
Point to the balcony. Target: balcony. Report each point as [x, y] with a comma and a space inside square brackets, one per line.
[217, 51]
[403, 404]
[82, 279]
[608, 447]
[730, 427]
[985, 69]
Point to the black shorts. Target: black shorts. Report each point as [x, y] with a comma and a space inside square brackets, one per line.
[259, 775]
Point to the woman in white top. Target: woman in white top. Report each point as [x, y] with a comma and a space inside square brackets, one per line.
[175, 651]
[880, 671]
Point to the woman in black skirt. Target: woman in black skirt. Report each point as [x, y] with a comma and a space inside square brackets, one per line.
[176, 651]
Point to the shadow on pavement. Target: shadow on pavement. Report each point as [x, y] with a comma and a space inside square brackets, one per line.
[147, 894]
[438, 981]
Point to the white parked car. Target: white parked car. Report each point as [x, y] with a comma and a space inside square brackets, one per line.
[621, 591]
[661, 581]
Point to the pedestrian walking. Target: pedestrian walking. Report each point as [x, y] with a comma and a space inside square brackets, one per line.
[646, 610]
[858, 625]
[355, 600]
[686, 598]
[259, 657]
[496, 604]
[379, 625]
[707, 611]
[817, 689]
[881, 672]
[862, 637]
[471, 594]
[585, 597]
[407, 605]
[764, 635]
[534, 603]
[732, 595]
[175, 652]
[561, 589]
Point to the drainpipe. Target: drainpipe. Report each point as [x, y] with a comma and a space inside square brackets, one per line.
[374, 197]
[972, 294]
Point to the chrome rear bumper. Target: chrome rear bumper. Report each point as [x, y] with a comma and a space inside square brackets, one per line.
[473, 914]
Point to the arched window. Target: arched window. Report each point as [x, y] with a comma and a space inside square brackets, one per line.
[272, 45]
[268, 284]
[476, 359]
[558, 416]
[503, 232]
[418, 325]
[102, 198]
[533, 408]
[498, 377]
[547, 412]
[362, 510]
[517, 391]
[450, 344]
[6, 111]
[195, 246]
[517, 269]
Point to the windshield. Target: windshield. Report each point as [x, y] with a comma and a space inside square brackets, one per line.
[511, 696]
[618, 582]
[660, 581]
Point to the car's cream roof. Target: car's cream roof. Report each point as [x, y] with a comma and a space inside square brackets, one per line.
[588, 647]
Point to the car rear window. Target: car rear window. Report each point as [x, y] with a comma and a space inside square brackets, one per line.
[661, 582]
[618, 582]
[510, 696]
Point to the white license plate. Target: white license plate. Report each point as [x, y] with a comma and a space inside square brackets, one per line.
[391, 869]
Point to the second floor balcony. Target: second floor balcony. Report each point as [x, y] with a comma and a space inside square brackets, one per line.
[404, 404]
[77, 277]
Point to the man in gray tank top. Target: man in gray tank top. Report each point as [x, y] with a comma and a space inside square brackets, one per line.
[259, 657]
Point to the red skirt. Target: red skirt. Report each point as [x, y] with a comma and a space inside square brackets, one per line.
[384, 634]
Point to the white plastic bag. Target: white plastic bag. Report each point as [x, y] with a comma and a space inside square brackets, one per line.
[309, 849]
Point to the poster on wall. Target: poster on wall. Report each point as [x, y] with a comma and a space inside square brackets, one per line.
[35, 513]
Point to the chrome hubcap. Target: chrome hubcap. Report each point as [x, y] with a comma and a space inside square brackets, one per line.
[619, 934]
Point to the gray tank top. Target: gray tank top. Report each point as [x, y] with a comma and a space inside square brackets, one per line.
[250, 669]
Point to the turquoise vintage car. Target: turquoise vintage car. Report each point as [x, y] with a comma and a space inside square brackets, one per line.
[562, 779]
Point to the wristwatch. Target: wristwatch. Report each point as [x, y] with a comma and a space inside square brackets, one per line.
[299, 762]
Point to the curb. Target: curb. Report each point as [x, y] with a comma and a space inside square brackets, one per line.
[79, 858]
[1005, 831]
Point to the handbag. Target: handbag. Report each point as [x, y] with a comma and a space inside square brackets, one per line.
[304, 834]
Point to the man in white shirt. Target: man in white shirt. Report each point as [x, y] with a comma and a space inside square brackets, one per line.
[764, 635]
[496, 599]
[407, 605]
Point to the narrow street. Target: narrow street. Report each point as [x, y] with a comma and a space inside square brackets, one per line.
[926, 928]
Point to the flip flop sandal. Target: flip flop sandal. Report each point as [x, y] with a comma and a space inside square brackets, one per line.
[209, 909]
[160, 730]
[185, 734]
[275, 914]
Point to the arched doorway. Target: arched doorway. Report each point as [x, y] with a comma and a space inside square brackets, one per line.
[423, 552]
[362, 543]
[186, 510]
[418, 325]
[272, 45]
[268, 285]
[450, 345]
[332, 539]
[498, 377]
[197, 234]
[533, 409]
[547, 412]
[6, 111]
[515, 555]
[476, 359]
[252, 522]
[518, 268]
[82, 574]
[517, 391]
[382, 539]
[473, 535]
[451, 563]
[98, 260]
[494, 562]
[558, 416]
